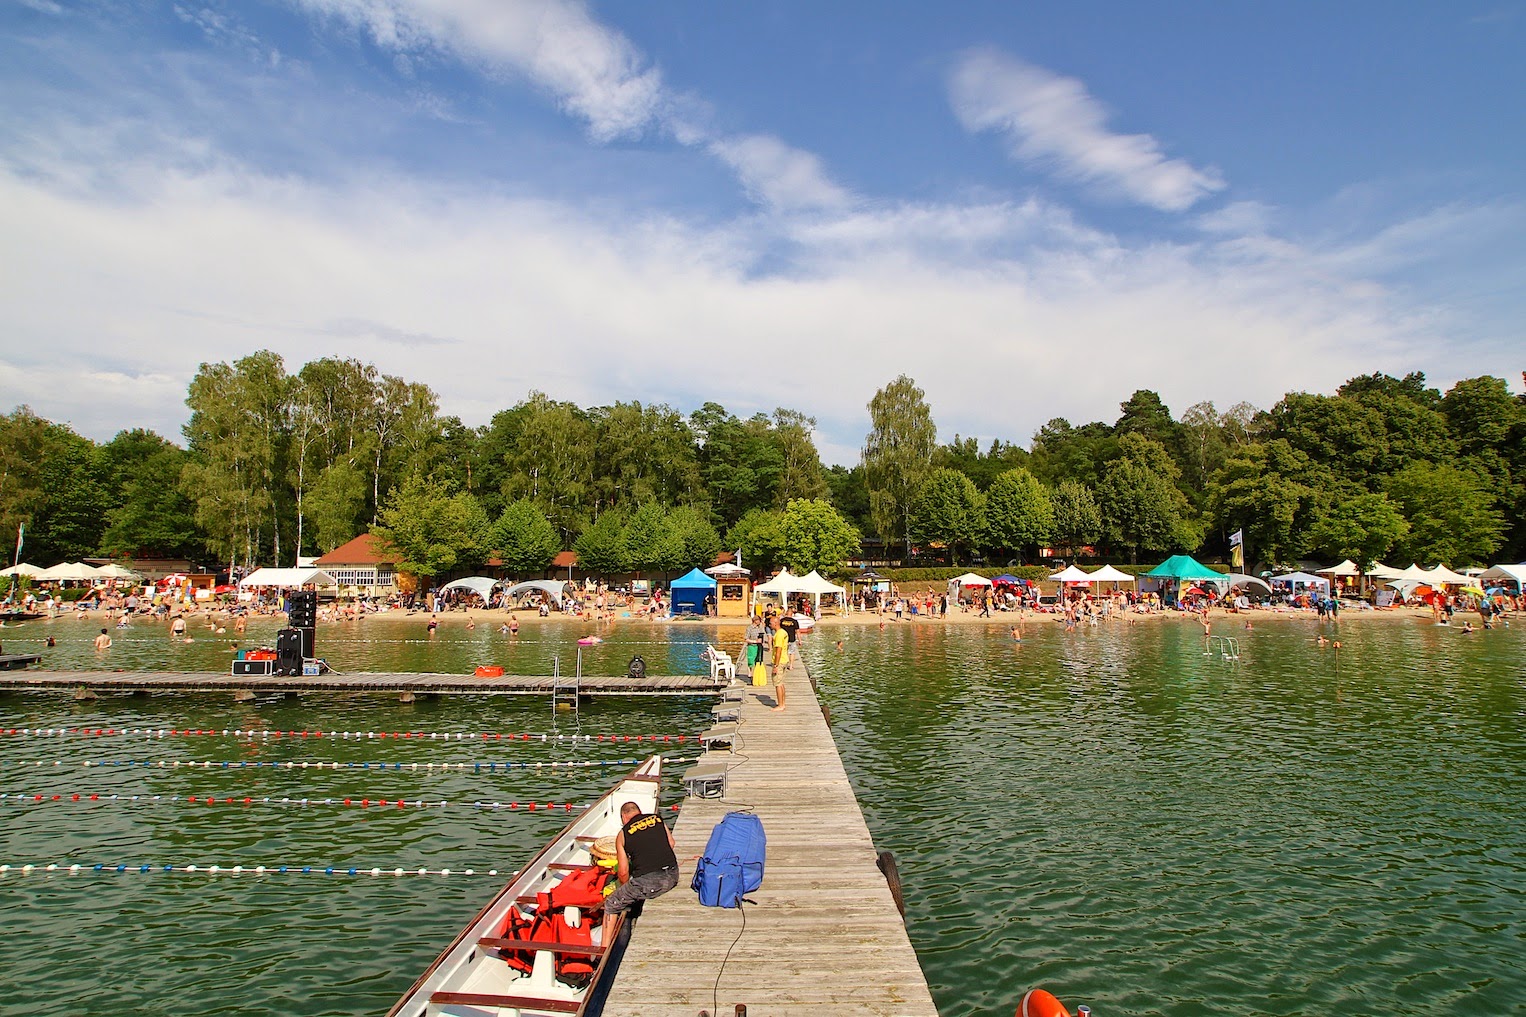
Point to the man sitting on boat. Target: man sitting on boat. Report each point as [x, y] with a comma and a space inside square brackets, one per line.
[646, 864]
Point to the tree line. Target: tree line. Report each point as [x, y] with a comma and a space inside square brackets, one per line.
[276, 464]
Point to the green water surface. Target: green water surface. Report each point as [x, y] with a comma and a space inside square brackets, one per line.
[1107, 813]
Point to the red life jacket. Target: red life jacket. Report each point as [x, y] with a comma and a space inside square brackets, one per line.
[572, 969]
[517, 926]
[583, 889]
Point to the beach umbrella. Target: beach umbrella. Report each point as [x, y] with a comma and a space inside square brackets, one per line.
[1473, 591]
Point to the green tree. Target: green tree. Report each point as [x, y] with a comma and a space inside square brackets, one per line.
[644, 455]
[1077, 520]
[1451, 512]
[897, 456]
[964, 455]
[949, 511]
[432, 530]
[759, 535]
[550, 460]
[741, 465]
[801, 475]
[650, 542]
[601, 546]
[816, 536]
[336, 504]
[1142, 508]
[68, 515]
[1019, 512]
[697, 540]
[523, 539]
[1062, 452]
[1363, 528]
[1275, 493]
[237, 436]
[850, 496]
[153, 518]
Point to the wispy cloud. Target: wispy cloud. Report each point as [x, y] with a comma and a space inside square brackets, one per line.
[590, 70]
[780, 176]
[594, 73]
[1052, 121]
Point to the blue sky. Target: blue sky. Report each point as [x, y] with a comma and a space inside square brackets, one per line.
[1031, 211]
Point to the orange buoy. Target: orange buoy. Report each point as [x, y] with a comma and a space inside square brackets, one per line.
[1039, 1003]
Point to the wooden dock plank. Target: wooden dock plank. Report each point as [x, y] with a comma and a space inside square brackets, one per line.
[824, 936]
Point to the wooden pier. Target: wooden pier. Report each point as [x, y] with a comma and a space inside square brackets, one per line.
[824, 937]
[407, 687]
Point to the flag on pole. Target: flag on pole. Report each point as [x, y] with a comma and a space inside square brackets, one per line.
[20, 539]
[1237, 549]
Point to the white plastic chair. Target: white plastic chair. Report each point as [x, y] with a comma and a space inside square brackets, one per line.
[721, 664]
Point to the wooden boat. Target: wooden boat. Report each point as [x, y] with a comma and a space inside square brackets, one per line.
[474, 976]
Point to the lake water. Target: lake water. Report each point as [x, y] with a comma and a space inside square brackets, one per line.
[1107, 813]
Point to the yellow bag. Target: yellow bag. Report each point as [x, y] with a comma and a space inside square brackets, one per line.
[759, 674]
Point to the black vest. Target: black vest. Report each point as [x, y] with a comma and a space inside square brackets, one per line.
[647, 847]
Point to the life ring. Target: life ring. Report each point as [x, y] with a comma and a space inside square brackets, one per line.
[1039, 1003]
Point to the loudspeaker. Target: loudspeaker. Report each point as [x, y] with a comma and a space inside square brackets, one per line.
[302, 609]
[289, 652]
[637, 668]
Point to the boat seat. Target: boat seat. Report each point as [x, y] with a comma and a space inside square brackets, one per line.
[707, 780]
[549, 945]
[490, 1000]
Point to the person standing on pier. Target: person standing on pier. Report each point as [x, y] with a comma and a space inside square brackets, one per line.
[646, 863]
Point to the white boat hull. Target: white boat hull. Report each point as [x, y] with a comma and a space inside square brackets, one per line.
[470, 979]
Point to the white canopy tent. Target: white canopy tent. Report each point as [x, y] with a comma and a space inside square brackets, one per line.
[550, 587]
[817, 586]
[482, 586]
[1297, 579]
[23, 569]
[1108, 574]
[1071, 574]
[76, 571]
[1442, 574]
[1345, 569]
[1506, 573]
[969, 579]
[1234, 579]
[781, 585]
[1414, 572]
[287, 579]
[114, 571]
[727, 569]
[1381, 571]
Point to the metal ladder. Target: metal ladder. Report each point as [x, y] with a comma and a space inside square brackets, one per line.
[566, 690]
[1229, 647]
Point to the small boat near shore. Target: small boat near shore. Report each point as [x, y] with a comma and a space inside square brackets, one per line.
[531, 952]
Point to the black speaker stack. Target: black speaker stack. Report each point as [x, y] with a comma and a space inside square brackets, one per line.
[296, 644]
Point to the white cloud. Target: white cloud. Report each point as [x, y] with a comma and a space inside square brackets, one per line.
[1052, 121]
[115, 286]
[593, 72]
[782, 177]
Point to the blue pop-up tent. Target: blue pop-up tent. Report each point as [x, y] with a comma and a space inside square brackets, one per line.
[690, 592]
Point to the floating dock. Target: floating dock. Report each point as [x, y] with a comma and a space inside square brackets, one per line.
[89, 684]
[825, 936]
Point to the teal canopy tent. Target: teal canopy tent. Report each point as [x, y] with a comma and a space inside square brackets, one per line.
[690, 593]
[1183, 567]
